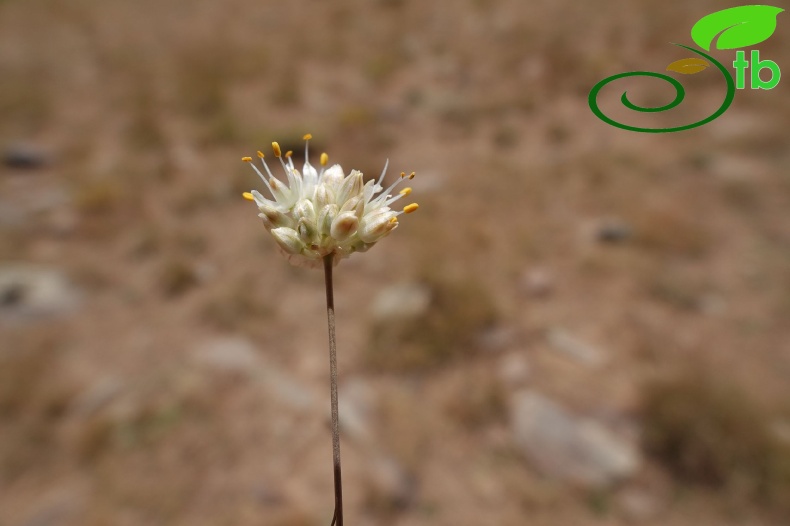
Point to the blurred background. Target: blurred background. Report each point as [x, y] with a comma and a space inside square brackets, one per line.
[581, 325]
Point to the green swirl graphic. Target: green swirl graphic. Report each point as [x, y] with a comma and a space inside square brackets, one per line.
[680, 94]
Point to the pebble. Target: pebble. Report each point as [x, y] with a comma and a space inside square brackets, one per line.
[24, 156]
[537, 283]
[30, 291]
[239, 355]
[613, 231]
[403, 301]
[575, 450]
[581, 351]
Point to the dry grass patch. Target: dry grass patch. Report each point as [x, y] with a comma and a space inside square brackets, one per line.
[34, 395]
[458, 312]
[707, 431]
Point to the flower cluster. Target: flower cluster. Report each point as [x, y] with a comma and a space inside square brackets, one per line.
[324, 212]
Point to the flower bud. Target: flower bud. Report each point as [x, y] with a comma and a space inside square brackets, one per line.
[309, 174]
[375, 226]
[344, 225]
[275, 217]
[304, 210]
[356, 204]
[325, 218]
[323, 196]
[351, 187]
[333, 176]
[288, 239]
[267, 224]
[306, 230]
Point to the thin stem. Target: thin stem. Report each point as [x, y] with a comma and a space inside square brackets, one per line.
[337, 518]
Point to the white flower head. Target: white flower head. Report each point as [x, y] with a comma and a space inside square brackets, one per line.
[317, 213]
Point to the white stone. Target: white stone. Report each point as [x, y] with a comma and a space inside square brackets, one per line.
[580, 451]
[403, 300]
[31, 291]
[579, 350]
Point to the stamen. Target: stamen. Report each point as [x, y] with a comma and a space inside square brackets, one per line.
[411, 175]
[260, 154]
[306, 138]
[288, 154]
[279, 154]
[266, 167]
[262, 178]
[408, 209]
[385, 194]
[324, 159]
[403, 193]
[394, 219]
[402, 175]
[247, 159]
[248, 196]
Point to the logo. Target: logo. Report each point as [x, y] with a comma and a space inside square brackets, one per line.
[737, 27]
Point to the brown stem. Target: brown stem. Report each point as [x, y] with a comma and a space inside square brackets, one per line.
[337, 519]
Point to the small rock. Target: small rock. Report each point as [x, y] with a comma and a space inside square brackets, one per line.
[238, 355]
[579, 350]
[56, 509]
[739, 168]
[404, 300]
[25, 157]
[537, 283]
[287, 390]
[580, 451]
[613, 231]
[29, 291]
[514, 369]
[97, 396]
[230, 355]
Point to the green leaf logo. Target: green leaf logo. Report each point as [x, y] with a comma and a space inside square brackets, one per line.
[738, 26]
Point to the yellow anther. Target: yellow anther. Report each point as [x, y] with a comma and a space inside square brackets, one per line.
[247, 159]
[307, 136]
[394, 220]
[276, 148]
[260, 154]
[408, 209]
[405, 191]
[411, 175]
[402, 175]
[288, 154]
[248, 196]
[324, 159]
